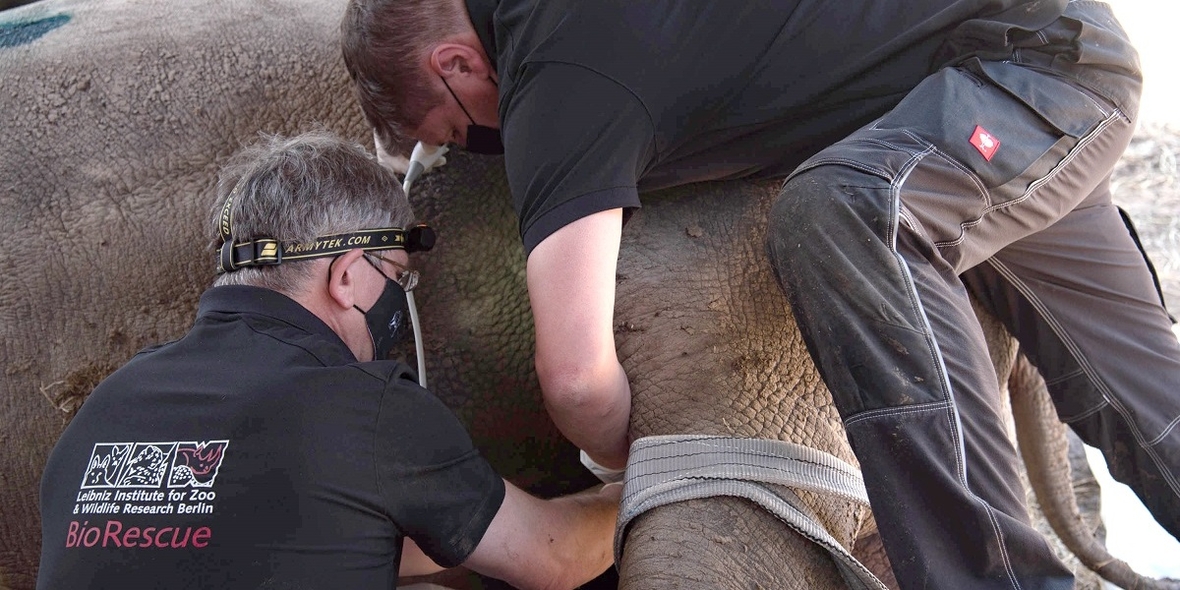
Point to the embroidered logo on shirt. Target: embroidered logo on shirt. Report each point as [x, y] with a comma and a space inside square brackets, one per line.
[159, 479]
[145, 465]
[985, 142]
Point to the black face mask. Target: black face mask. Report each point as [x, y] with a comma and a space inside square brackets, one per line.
[388, 319]
[480, 139]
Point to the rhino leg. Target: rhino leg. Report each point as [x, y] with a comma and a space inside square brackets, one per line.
[1061, 480]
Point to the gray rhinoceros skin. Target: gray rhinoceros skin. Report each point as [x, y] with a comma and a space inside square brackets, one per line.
[117, 116]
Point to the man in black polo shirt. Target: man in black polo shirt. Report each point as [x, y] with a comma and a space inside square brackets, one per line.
[267, 447]
[933, 149]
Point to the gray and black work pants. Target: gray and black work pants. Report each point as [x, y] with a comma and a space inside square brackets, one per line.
[880, 239]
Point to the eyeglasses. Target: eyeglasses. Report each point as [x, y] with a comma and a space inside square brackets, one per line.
[406, 278]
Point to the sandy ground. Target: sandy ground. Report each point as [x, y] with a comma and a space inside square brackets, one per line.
[1132, 535]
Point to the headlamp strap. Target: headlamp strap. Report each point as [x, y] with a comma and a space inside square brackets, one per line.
[269, 251]
[225, 221]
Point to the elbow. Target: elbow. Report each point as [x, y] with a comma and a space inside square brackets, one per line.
[584, 387]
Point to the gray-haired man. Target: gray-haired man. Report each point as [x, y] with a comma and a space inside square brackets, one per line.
[271, 446]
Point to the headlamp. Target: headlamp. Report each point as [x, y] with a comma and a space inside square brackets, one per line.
[267, 251]
[270, 252]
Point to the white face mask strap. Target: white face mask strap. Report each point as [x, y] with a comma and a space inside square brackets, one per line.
[418, 348]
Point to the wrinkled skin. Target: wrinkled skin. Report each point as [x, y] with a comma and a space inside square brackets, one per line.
[115, 124]
[120, 117]
[723, 350]
[718, 344]
[1060, 490]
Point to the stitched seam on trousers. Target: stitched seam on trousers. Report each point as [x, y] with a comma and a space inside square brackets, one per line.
[1086, 413]
[1093, 376]
[1065, 377]
[896, 411]
[1097, 104]
[1033, 186]
[1069, 157]
[991, 517]
[854, 164]
[1048, 70]
[979, 186]
[953, 420]
[952, 412]
[936, 407]
[1167, 430]
[913, 223]
[982, 193]
[981, 189]
[821, 160]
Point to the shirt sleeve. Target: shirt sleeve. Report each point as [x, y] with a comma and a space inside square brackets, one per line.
[576, 143]
[436, 486]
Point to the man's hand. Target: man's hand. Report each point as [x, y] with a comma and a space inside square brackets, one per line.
[559, 543]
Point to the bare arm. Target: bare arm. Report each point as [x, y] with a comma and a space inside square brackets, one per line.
[549, 544]
[571, 281]
[415, 562]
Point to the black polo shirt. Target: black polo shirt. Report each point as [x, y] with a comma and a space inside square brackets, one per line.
[257, 452]
[600, 100]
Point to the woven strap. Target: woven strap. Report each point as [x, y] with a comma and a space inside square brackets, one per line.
[666, 469]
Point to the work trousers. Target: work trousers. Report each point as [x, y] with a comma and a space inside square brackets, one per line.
[990, 179]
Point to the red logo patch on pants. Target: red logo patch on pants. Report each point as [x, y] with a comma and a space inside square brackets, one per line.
[985, 142]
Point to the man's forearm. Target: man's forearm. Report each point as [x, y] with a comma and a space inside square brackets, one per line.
[588, 549]
[571, 279]
[555, 544]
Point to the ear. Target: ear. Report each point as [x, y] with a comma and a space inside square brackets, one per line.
[344, 278]
[456, 59]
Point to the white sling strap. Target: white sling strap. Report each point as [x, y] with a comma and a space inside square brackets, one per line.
[666, 469]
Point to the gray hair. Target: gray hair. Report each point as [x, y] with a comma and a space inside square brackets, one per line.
[297, 189]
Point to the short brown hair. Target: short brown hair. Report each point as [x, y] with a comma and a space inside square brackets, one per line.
[383, 42]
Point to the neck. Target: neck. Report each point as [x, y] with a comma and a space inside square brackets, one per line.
[346, 322]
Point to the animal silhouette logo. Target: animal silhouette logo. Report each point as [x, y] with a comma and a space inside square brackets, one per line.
[177, 464]
[196, 464]
[106, 461]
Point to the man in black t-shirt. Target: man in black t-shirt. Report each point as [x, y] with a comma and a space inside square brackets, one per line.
[933, 149]
[272, 446]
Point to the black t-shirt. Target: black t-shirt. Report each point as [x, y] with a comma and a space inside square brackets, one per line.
[257, 452]
[600, 100]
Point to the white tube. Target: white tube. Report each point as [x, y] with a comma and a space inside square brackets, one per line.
[418, 348]
[424, 157]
